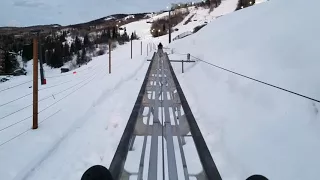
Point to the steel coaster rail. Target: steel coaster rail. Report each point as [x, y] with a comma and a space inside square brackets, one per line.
[117, 165]
[206, 159]
[119, 158]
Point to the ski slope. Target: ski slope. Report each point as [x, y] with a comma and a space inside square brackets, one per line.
[250, 127]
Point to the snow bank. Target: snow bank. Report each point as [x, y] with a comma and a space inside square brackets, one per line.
[252, 128]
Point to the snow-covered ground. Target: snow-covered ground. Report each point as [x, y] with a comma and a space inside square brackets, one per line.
[77, 110]
[250, 128]
[260, 1]
[198, 16]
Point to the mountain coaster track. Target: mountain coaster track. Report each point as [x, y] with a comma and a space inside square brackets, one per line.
[168, 119]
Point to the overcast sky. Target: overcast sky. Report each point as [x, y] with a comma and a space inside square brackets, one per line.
[65, 12]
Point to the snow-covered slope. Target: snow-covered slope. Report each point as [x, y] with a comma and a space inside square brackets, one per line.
[197, 16]
[200, 16]
[250, 127]
[76, 110]
[83, 114]
[142, 27]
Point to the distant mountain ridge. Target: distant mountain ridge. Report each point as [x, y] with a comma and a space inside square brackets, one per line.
[104, 21]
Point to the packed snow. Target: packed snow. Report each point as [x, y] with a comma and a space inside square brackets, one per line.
[109, 18]
[250, 128]
[73, 104]
[128, 17]
[76, 109]
[198, 16]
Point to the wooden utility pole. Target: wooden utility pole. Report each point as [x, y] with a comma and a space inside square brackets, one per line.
[182, 67]
[131, 47]
[35, 84]
[169, 26]
[110, 44]
[131, 38]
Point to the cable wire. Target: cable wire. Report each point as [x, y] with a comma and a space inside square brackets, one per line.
[256, 80]
[48, 87]
[47, 106]
[67, 74]
[14, 137]
[9, 140]
[15, 123]
[15, 99]
[44, 110]
[15, 86]
[44, 99]
[66, 95]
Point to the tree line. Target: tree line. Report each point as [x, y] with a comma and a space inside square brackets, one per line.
[55, 50]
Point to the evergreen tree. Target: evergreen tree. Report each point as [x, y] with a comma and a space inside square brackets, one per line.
[66, 52]
[45, 60]
[78, 44]
[48, 57]
[63, 36]
[92, 48]
[62, 50]
[48, 43]
[56, 59]
[27, 52]
[10, 62]
[15, 48]
[79, 61]
[72, 48]
[123, 38]
[86, 41]
[134, 35]
[105, 36]
[84, 56]
[108, 33]
[114, 33]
